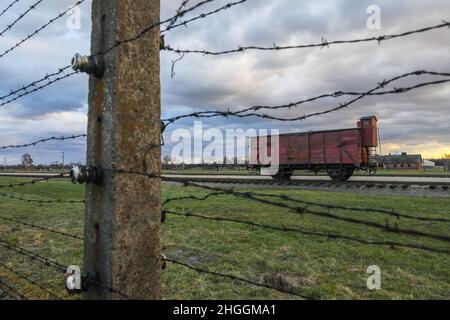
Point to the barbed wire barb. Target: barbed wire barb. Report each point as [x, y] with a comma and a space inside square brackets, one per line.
[8, 7]
[32, 144]
[20, 17]
[28, 279]
[32, 182]
[35, 83]
[172, 26]
[35, 89]
[324, 43]
[56, 265]
[306, 210]
[179, 14]
[253, 110]
[42, 228]
[10, 289]
[41, 28]
[41, 201]
[328, 206]
[239, 279]
[284, 228]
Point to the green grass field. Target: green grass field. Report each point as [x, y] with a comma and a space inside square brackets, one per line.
[310, 265]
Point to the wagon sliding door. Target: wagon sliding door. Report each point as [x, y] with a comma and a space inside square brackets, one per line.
[350, 147]
[332, 143]
[297, 149]
[317, 148]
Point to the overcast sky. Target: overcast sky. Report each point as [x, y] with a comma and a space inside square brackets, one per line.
[416, 122]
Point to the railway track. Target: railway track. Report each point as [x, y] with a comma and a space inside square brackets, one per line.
[404, 183]
[307, 182]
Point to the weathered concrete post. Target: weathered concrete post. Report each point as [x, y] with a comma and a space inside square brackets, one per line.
[123, 213]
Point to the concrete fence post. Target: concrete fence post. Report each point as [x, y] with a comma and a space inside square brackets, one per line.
[123, 213]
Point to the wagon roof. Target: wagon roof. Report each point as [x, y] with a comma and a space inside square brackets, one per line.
[369, 117]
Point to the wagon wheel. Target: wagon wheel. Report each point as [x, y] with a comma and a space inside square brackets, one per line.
[340, 175]
[346, 176]
[335, 175]
[282, 175]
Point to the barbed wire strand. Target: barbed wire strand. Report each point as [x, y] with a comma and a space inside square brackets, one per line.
[35, 83]
[8, 7]
[171, 27]
[5, 294]
[38, 30]
[108, 288]
[34, 256]
[391, 213]
[28, 279]
[391, 244]
[183, 4]
[203, 15]
[20, 17]
[153, 26]
[252, 111]
[11, 289]
[57, 266]
[32, 182]
[179, 13]
[61, 70]
[37, 88]
[239, 279]
[42, 201]
[297, 210]
[323, 44]
[195, 198]
[42, 228]
[32, 144]
[305, 210]
[348, 104]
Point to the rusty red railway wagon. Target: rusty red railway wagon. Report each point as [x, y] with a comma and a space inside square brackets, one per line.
[338, 152]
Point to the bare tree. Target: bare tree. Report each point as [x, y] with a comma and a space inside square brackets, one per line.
[27, 161]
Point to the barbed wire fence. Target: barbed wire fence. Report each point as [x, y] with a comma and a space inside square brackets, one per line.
[8, 266]
[9, 7]
[20, 17]
[289, 204]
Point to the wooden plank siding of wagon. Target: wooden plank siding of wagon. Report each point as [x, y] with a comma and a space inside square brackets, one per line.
[350, 147]
[309, 148]
[331, 145]
[296, 149]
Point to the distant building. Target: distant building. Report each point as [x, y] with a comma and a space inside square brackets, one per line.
[401, 161]
[428, 165]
